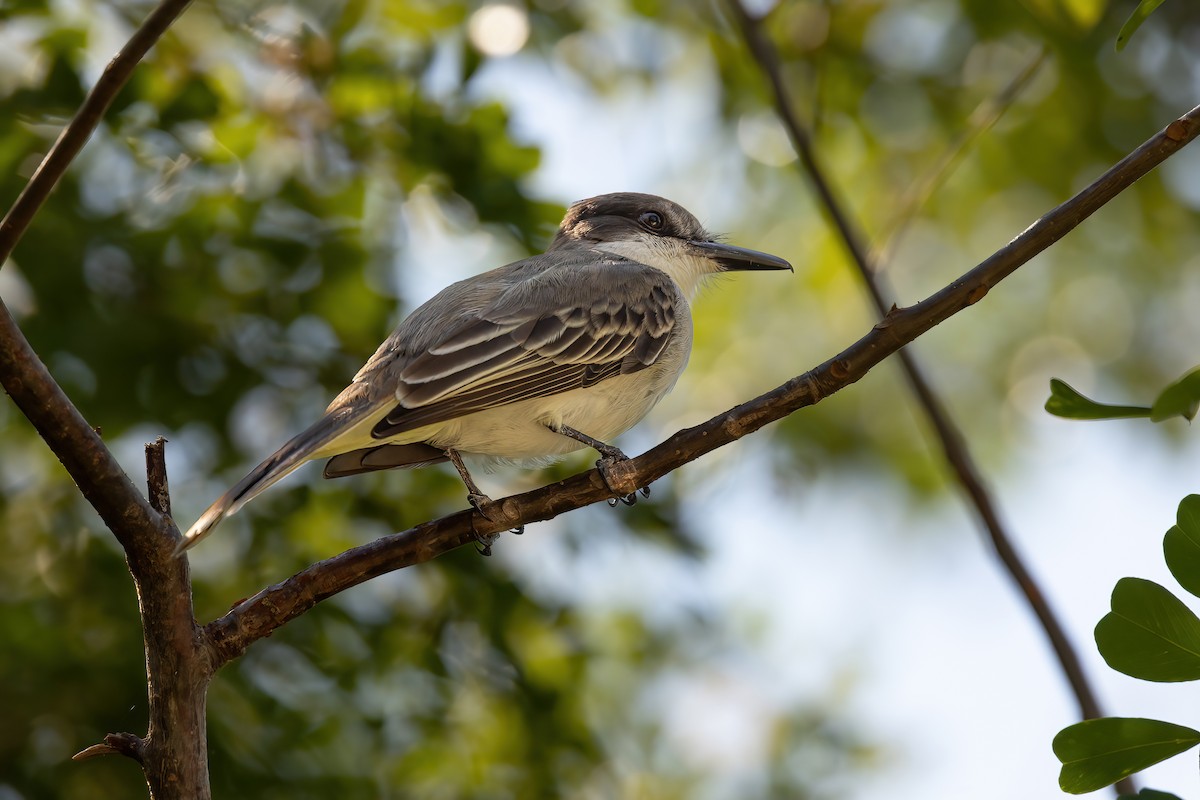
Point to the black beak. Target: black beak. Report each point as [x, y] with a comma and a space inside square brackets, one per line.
[732, 258]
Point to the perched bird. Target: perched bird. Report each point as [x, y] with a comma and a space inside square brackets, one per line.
[532, 360]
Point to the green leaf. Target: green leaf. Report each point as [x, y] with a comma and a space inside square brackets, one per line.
[1099, 752]
[1180, 399]
[1150, 633]
[1066, 402]
[1181, 545]
[1150, 794]
[1139, 15]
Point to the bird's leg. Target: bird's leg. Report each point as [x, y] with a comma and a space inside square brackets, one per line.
[475, 496]
[613, 465]
[480, 502]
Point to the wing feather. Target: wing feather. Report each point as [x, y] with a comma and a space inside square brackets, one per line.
[552, 333]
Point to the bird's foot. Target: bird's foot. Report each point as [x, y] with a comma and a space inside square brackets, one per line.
[492, 511]
[483, 541]
[629, 499]
[620, 477]
[615, 470]
[483, 504]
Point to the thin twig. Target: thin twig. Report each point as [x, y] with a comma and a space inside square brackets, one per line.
[953, 445]
[79, 130]
[158, 489]
[115, 744]
[979, 122]
[260, 615]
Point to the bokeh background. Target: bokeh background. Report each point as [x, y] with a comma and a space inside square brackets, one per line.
[810, 612]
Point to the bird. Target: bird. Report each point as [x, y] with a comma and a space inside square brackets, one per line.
[527, 362]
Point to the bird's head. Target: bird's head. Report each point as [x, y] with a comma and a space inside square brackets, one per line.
[654, 231]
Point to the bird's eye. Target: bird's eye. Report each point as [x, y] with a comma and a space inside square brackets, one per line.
[651, 220]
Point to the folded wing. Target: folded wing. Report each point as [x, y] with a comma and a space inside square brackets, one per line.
[542, 337]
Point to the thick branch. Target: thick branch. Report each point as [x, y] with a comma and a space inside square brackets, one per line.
[954, 445]
[174, 752]
[260, 615]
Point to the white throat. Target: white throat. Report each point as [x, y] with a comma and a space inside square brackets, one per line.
[667, 254]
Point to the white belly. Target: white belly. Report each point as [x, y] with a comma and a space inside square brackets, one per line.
[523, 430]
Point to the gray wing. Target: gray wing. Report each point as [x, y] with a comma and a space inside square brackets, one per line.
[565, 328]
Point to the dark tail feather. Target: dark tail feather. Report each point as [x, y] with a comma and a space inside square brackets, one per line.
[384, 456]
[286, 459]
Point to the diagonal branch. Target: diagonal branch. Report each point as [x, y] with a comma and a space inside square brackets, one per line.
[83, 124]
[274, 606]
[954, 446]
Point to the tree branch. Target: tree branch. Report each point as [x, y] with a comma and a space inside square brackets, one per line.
[115, 744]
[954, 446]
[75, 135]
[174, 752]
[157, 487]
[260, 615]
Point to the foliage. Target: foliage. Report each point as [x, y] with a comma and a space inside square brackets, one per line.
[1099, 752]
[1144, 9]
[1180, 399]
[1152, 635]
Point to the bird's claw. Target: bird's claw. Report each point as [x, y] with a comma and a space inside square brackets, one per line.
[621, 478]
[481, 503]
[487, 508]
[483, 541]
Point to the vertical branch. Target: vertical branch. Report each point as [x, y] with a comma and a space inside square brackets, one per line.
[953, 445]
[178, 664]
[173, 754]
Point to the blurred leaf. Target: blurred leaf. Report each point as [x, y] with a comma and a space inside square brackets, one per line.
[1072, 15]
[61, 93]
[1181, 545]
[194, 100]
[1180, 399]
[1084, 13]
[1150, 794]
[1099, 752]
[1139, 15]
[1150, 634]
[1066, 402]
